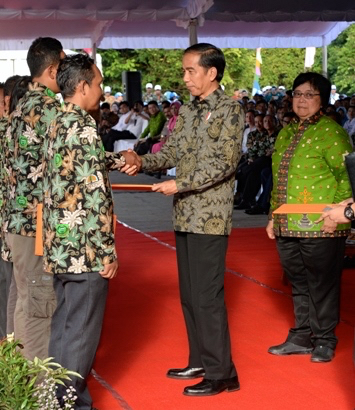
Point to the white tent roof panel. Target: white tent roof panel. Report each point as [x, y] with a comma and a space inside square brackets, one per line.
[157, 23]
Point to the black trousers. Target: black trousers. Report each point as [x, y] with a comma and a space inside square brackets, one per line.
[249, 177]
[313, 266]
[201, 265]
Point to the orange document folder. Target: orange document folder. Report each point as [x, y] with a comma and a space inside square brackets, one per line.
[131, 187]
[39, 230]
[39, 235]
[302, 208]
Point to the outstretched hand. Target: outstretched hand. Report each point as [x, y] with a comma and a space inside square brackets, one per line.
[166, 187]
[133, 162]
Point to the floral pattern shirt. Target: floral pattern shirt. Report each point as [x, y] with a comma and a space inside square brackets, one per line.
[3, 128]
[78, 208]
[308, 168]
[260, 144]
[27, 131]
[205, 148]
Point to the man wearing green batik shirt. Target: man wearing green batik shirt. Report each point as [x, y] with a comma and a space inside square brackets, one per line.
[78, 226]
[25, 141]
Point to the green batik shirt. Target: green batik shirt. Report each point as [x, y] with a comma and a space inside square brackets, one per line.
[3, 128]
[308, 168]
[27, 132]
[78, 209]
[5, 251]
[205, 147]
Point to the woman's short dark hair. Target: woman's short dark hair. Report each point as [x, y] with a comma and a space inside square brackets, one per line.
[318, 82]
[73, 69]
[19, 89]
[9, 84]
[210, 56]
[43, 52]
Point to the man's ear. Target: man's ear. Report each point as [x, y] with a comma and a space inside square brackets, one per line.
[82, 87]
[52, 72]
[213, 73]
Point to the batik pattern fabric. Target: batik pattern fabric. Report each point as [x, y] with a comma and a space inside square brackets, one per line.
[260, 144]
[78, 207]
[25, 138]
[3, 128]
[308, 168]
[5, 251]
[205, 148]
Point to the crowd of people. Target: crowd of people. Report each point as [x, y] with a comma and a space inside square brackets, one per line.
[283, 147]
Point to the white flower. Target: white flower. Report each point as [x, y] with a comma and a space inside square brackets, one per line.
[35, 173]
[78, 265]
[73, 218]
[89, 133]
[71, 132]
[31, 135]
[10, 337]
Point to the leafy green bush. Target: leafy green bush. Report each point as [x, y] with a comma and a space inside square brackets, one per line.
[26, 384]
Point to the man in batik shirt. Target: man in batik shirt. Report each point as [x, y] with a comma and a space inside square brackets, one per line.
[204, 147]
[6, 315]
[24, 153]
[79, 246]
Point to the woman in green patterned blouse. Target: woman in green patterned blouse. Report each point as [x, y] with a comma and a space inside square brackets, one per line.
[308, 168]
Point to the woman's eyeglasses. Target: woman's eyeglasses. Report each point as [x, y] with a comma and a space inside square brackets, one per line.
[307, 95]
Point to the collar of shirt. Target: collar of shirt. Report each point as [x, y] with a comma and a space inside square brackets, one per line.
[211, 100]
[311, 120]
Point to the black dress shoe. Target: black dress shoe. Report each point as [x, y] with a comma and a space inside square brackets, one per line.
[322, 354]
[242, 205]
[289, 348]
[256, 210]
[186, 373]
[210, 387]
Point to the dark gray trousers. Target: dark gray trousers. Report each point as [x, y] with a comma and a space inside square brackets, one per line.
[313, 266]
[5, 281]
[76, 328]
[201, 265]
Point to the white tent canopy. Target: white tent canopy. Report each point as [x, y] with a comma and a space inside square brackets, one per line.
[164, 23]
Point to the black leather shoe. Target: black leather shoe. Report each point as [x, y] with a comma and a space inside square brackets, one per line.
[289, 348]
[256, 210]
[210, 387]
[322, 354]
[186, 373]
[242, 205]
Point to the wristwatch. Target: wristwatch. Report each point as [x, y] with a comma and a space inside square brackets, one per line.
[349, 212]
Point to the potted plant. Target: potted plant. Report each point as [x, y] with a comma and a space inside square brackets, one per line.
[26, 384]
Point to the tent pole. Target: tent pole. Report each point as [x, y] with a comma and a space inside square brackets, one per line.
[193, 32]
[325, 59]
[94, 52]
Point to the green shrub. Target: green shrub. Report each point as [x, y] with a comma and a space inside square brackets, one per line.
[26, 384]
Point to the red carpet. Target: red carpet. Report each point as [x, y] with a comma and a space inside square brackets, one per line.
[144, 334]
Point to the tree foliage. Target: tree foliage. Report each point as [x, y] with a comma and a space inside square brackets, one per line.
[280, 66]
[341, 61]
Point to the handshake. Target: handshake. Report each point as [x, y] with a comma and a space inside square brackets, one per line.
[133, 162]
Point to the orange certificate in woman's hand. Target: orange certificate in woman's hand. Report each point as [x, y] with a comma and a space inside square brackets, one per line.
[302, 208]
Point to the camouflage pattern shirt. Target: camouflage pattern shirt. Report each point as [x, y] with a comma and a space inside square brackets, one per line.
[25, 137]
[205, 148]
[78, 208]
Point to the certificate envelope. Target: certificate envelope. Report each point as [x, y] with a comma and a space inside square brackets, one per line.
[302, 208]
